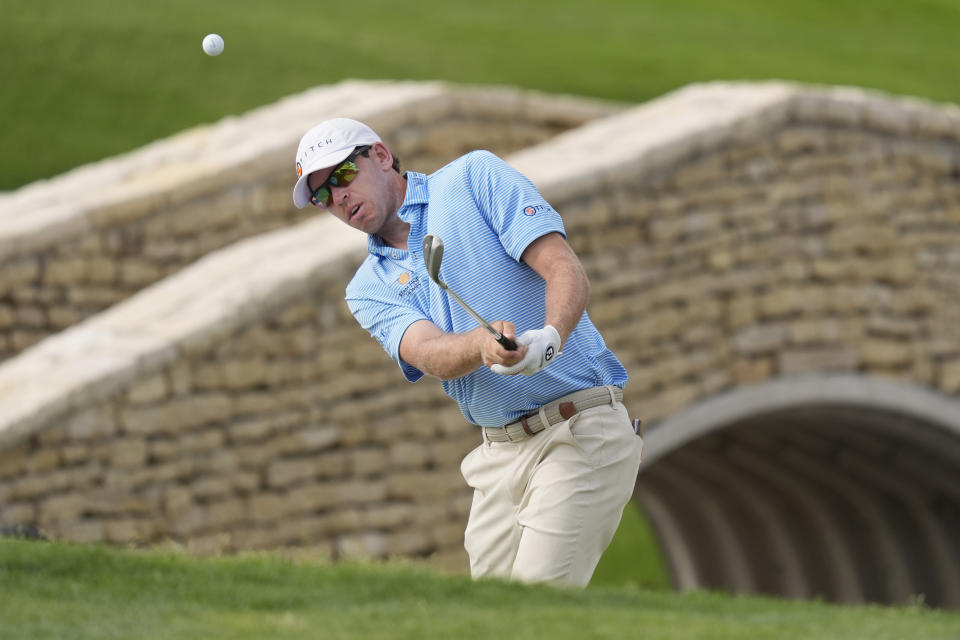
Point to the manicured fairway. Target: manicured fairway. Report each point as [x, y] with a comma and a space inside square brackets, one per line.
[85, 80]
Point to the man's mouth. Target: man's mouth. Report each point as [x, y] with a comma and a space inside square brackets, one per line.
[353, 211]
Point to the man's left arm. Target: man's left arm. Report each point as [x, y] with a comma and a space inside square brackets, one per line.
[568, 288]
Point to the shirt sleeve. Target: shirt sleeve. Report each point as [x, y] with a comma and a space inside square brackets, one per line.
[510, 203]
[386, 319]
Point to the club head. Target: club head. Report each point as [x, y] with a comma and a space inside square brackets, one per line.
[433, 256]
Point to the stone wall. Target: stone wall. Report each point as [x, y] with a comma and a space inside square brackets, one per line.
[732, 233]
[75, 245]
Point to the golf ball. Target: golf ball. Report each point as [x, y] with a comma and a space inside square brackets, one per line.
[213, 44]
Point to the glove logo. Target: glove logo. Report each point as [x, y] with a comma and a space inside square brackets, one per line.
[548, 354]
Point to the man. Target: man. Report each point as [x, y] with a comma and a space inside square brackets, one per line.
[559, 456]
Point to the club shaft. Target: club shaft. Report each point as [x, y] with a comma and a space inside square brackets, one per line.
[507, 343]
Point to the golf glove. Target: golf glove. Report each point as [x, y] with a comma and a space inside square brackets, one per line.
[543, 346]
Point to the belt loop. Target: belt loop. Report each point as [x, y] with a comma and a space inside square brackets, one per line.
[544, 423]
[613, 398]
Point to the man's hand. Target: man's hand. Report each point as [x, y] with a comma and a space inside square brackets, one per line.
[543, 346]
[492, 352]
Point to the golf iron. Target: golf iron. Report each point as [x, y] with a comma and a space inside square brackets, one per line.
[432, 256]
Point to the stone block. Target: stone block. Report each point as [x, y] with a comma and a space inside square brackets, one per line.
[317, 437]
[149, 390]
[19, 272]
[139, 273]
[102, 270]
[448, 534]
[177, 415]
[808, 332]
[202, 441]
[367, 461]
[30, 317]
[177, 500]
[450, 452]
[226, 512]
[426, 485]
[194, 519]
[360, 491]
[286, 472]
[333, 464]
[74, 453]
[65, 271]
[334, 522]
[245, 482]
[880, 353]
[62, 508]
[252, 429]
[759, 339]
[17, 512]
[61, 317]
[211, 487]
[822, 359]
[949, 378]
[128, 452]
[387, 516]
[121, 531]
[6, 316]
[43, 460]
[81, 532]
[358, 546]
[409, 542]
[406, 454]
[270, 506]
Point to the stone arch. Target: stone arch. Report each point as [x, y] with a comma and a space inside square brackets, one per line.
[840, 486]
[734, 234]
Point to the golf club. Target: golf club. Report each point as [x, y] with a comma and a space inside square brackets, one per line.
[432, 256]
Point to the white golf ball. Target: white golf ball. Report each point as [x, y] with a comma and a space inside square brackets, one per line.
[213, 44]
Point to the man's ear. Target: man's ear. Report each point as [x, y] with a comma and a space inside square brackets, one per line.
[382, 154]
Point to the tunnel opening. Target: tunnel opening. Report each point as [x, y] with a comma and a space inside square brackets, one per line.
[849, 496]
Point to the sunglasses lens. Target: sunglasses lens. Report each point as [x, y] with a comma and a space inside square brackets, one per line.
[322, 197]
[342, 175]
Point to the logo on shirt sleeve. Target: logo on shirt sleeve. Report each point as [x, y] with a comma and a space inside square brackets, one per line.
[534, 209]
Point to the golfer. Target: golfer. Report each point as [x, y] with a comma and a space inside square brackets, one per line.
[559, 455]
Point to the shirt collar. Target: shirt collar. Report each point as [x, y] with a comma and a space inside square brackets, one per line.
[417, 191]
[418, 194]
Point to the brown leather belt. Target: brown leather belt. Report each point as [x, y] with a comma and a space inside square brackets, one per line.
[553, 412]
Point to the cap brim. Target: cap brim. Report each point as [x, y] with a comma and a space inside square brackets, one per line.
[301, 190]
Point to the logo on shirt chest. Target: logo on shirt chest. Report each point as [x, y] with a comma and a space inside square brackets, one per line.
[409, 284]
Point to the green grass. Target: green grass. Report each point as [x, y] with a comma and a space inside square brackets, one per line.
[85, 80]
[52, 591]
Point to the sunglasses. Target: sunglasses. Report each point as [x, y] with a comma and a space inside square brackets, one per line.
[344, 174]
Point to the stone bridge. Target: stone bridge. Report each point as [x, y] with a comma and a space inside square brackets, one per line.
[776, 265]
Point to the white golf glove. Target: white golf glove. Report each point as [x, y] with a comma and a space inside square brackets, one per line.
[543, 346]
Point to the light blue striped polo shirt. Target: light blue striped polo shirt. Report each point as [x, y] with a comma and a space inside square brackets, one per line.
[486, 213]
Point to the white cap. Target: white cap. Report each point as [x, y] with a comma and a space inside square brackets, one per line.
[327, 145]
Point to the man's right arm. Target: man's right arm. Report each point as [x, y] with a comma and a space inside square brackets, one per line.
[453, 355]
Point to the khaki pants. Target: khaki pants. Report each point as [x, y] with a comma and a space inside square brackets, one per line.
[545, 508]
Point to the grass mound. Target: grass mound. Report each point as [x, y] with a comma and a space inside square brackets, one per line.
[53, 590]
